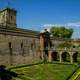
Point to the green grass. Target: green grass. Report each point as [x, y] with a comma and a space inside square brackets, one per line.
[75, 75]
[45, 72]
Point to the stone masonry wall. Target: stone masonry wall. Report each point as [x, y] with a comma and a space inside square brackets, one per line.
[24, 50]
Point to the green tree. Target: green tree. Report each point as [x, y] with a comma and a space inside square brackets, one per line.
[65, 45]
[61, 32]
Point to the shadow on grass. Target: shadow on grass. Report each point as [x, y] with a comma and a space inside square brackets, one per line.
[6, 74]
[41, 63]
[73, 73]
[25, 65]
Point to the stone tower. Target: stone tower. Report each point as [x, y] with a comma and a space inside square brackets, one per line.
[8, 18]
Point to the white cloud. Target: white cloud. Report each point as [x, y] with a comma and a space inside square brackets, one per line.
[74, 25]
[50, 25]
[70, 24]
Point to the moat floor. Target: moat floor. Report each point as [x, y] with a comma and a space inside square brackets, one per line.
[45, 72]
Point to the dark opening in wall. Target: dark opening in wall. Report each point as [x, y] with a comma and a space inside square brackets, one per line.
[11, 53]
[65, 56]
[21, 45]
[10, 45]
[75, 55]
[22, 49]
[11, 17]
[54, 56]
[10, 48]
[31, 46]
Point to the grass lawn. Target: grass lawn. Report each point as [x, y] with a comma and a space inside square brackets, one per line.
[45, 72]
[76, 75]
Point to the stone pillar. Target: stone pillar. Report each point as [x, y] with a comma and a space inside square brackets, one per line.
[11, 53]
[50, 56]
[41, 44]
[42, 54]
[60, 57]
[71, 57]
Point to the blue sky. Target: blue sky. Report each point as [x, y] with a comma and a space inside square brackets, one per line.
[34, 14]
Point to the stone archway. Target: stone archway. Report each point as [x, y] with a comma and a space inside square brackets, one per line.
[75, 56]
[55, 56]
[65, 56]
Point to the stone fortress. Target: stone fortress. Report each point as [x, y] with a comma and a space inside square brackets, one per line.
[17, 46]
[20, 46]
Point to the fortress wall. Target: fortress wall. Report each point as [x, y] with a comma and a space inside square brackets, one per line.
[5, 59]
[24, 49]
